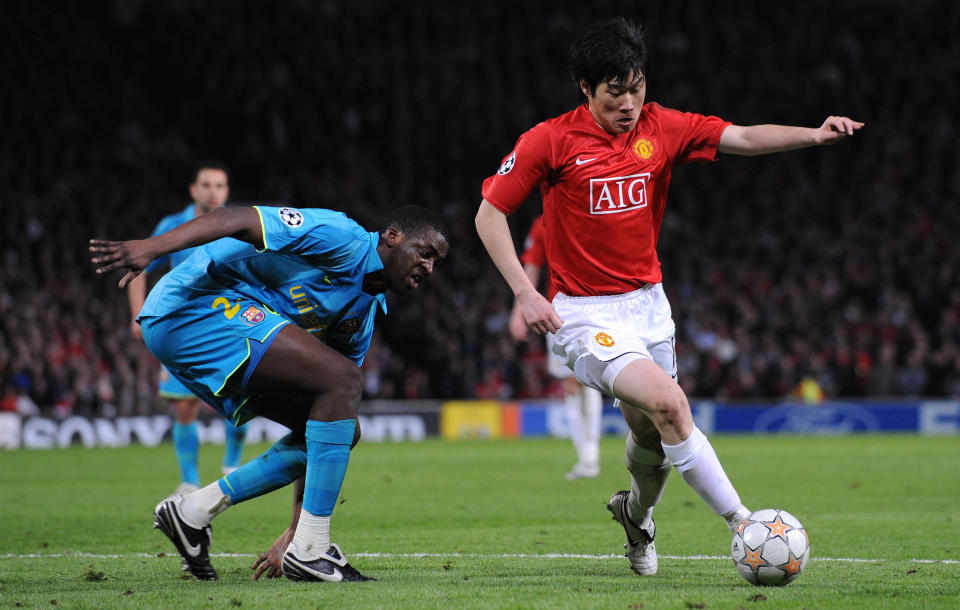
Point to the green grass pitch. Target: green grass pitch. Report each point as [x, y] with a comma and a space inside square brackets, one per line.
[493, 524]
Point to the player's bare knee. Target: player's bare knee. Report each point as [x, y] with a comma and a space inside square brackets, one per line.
[671, 410]
[187, 410]
[350, 387]
[353, 382]
[341, 397]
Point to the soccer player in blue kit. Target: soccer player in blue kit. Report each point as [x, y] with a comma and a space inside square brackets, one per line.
[275, 322]
[209, 191]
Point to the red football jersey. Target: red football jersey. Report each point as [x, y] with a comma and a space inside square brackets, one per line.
[535, 252]
[603, 195]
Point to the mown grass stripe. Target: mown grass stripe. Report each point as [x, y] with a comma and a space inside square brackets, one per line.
[468, 556]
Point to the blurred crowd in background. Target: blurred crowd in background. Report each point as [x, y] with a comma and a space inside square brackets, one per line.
[832, 269]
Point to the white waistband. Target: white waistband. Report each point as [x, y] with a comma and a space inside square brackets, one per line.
[604, 298]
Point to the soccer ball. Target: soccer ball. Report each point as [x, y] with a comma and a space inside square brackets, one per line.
[770, 547]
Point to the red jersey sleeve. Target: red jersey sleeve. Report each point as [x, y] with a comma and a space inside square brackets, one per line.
[695, 136]
[529, 164]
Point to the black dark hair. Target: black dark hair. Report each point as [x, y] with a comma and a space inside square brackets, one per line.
[608, 49]
[209, 164]
[416, 220]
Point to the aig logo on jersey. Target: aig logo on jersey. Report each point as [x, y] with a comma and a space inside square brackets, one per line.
[291, 217]
[620, 194]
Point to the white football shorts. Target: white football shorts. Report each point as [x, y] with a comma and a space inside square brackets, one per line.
[601, 335]
[556, 365]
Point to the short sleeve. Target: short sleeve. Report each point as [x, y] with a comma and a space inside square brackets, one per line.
[696, 136]
[322, 237]
[529, 164]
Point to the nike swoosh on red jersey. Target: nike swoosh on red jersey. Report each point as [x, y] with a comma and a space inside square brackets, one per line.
[583, 161]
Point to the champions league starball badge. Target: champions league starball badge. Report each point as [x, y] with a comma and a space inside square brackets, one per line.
[507, 164]
[291, 217]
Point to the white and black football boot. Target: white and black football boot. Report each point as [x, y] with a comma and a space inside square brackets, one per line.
[640, 548]
[192, 543]
[331, 566]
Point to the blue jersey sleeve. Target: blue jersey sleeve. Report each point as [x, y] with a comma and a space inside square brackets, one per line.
[323, 238]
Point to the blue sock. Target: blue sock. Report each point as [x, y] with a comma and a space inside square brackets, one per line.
[186, 443]
[280, 465]
[233, 438]
[328, 451]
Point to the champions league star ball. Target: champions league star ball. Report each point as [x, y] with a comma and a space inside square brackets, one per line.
[770, 547]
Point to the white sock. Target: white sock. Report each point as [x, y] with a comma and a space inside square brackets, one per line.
[697, 462]
[733, 519]
[200, 507]
[648, 476]
[591, 408]
[571, 403]
[312, 537]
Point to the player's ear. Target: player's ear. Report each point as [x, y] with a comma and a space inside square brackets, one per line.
[585, 89]
[392, 235]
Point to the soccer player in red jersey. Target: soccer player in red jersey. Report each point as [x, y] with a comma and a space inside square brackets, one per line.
[603, 170]
[583, 404]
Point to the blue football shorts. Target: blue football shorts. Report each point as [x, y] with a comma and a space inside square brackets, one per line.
[171, 388]
[206, 339]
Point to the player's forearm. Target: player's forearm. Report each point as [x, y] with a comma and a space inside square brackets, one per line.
[297, 502]
[241, 223]
[763, 139]
[494, 232]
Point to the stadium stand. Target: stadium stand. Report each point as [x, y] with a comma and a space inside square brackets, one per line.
[778, 271]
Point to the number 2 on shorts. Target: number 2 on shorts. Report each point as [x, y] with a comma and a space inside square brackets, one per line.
[228, 310]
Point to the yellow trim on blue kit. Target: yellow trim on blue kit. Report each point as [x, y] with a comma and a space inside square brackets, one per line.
[263, 231]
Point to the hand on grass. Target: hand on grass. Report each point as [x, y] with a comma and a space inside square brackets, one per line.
[270, 561]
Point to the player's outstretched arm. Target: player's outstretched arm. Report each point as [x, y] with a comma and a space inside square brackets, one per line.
[134, 256]
[763, 139]
[494, 232]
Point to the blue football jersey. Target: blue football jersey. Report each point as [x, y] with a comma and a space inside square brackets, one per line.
[310, 271]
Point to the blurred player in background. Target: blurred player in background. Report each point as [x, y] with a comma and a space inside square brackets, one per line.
[603, 170]
[276, 322]
[583, 404]
[209, 190]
